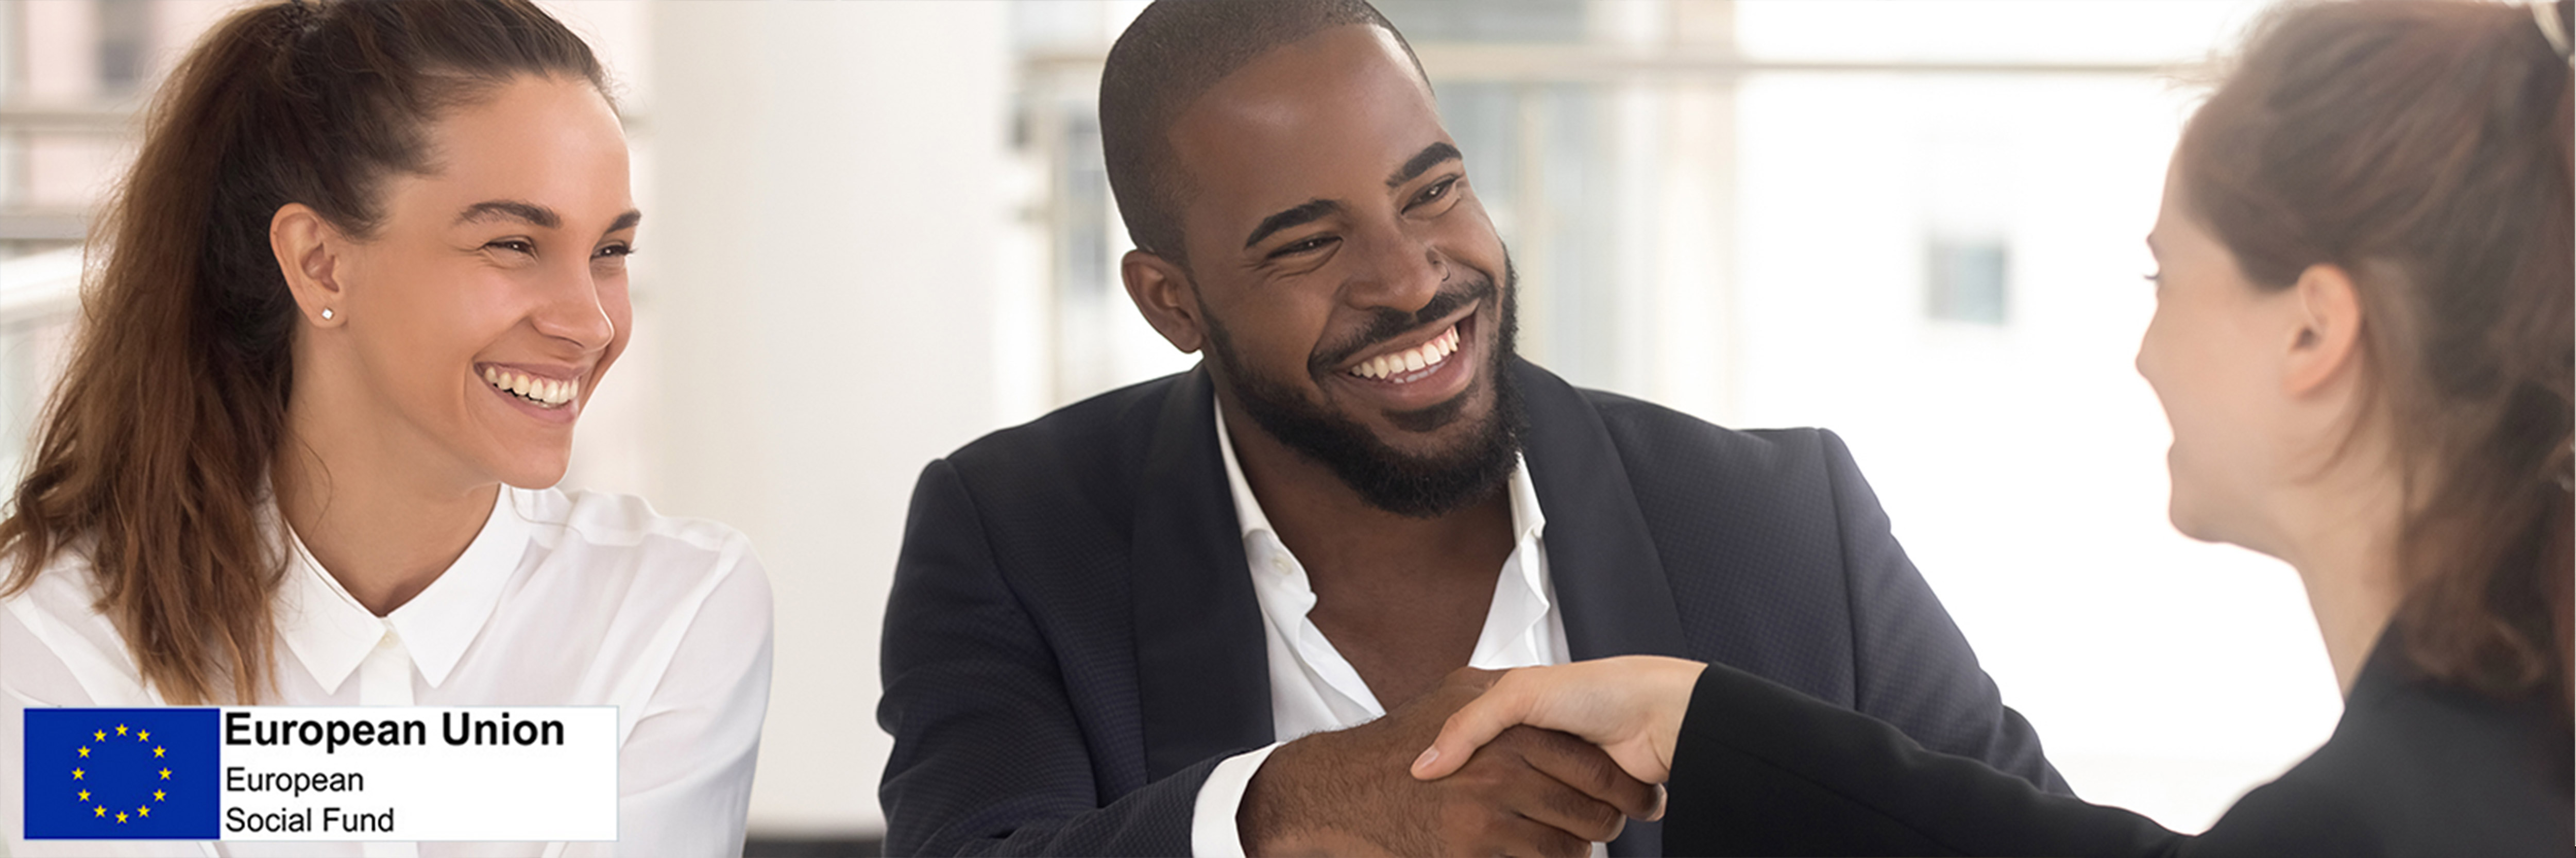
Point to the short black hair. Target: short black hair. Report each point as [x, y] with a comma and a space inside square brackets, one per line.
[1174, 52]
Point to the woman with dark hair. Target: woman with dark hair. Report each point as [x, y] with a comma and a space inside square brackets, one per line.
[2363, 339]
[367, 269]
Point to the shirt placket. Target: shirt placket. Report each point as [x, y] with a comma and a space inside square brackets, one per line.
[384, 679]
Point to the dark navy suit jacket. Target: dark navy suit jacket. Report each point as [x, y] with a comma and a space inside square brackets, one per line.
[1073, 641]
[2416, 767]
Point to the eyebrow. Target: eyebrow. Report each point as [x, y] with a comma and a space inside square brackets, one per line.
[1434, 155]
[1304, 213]
[511, 210]
[534, 214]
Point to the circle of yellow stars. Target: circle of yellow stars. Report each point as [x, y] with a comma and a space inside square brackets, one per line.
[100, 811]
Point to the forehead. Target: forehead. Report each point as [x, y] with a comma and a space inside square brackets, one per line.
[1310, 119]
[554, 142]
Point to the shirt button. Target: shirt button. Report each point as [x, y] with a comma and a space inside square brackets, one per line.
[389, 641]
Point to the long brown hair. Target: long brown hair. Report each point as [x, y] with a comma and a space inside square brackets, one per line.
[154, 452]
[2425, 148]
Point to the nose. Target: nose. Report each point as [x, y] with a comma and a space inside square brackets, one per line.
[571, 309]
[1396, 270]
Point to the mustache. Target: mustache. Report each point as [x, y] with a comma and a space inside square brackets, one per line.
[1387, 323]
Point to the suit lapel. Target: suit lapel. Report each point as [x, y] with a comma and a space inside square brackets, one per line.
[1610, 584]
[1203, 673]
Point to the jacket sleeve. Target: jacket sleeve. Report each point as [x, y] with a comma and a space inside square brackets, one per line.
[1763, 770]
[1911, 666]
[989, 758]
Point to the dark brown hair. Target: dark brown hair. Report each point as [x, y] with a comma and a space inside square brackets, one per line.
[154, 453]
[2424, 147]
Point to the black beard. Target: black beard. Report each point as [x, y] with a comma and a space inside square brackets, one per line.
[1385, 477]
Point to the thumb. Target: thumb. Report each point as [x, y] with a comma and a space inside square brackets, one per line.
[1469, 728]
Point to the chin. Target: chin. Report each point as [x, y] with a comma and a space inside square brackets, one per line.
[536, 474]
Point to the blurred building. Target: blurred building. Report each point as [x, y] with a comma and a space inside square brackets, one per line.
[878, 230]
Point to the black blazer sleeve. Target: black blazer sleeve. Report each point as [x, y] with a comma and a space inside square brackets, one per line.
[989, 759]
[1763, 770]
[1911, 666]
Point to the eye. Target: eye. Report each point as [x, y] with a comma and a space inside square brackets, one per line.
[2156, 277]
[1308, 245]
[612, 251]
[1435, 192]
[515, 245]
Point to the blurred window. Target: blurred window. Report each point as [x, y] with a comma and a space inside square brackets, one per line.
[124, 44]
[1486, 20]
[1967, 280]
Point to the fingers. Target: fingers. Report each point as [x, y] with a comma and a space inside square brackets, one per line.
[1505, 703]
[1584, 767]
[1533, 838]
[1571, 811]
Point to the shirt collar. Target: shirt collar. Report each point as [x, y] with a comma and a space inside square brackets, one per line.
[331, 633]
[1528, 521]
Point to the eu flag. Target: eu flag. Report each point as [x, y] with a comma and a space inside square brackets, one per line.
[122, 774]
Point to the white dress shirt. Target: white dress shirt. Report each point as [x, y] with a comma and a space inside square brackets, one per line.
[1313, 689]
[562, 600]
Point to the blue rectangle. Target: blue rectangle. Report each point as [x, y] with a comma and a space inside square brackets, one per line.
[123, 774]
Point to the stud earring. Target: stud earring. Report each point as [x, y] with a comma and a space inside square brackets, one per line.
[326, 314]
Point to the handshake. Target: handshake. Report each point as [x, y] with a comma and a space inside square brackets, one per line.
[1525, 791]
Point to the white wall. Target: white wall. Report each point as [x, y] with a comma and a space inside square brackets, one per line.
[834, 343]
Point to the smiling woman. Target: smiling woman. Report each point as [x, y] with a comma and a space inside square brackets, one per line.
[368, 268]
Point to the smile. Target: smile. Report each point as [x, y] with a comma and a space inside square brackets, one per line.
[1411, 364]
[537, 391]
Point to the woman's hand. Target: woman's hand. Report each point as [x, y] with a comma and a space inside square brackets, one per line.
[1631, 706]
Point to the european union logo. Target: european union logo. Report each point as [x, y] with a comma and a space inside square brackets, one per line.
[122, 774]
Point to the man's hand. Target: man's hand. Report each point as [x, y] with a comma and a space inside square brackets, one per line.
[1527, 792]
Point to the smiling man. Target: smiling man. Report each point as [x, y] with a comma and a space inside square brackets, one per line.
[1220, 612]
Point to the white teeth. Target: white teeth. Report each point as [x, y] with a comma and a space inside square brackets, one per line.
[542, 391]
[1410, 360]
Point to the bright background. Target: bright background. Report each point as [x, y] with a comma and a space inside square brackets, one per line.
[878, 230]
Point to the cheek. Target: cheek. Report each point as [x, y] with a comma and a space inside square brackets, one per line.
[431, 328]
[1278, 336]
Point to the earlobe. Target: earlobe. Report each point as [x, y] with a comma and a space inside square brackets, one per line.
[2328, 340]
[1164, 293]
[306, 248]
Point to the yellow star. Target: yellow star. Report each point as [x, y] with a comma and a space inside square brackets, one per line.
[84, 752]
[120, 817]
[143, 811]
[76, 774]
[120, 729]
[165, 774]
[157, 794]
[100, 735]
[156, 752]
[145, 735]
[100, 811]
[84, 795]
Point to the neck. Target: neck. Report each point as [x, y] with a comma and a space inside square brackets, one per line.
[2342, 539]
[379, 522]
[1332, 529]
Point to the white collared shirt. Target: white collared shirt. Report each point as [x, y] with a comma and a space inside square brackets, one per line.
[1313, 688]
[561, 599]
